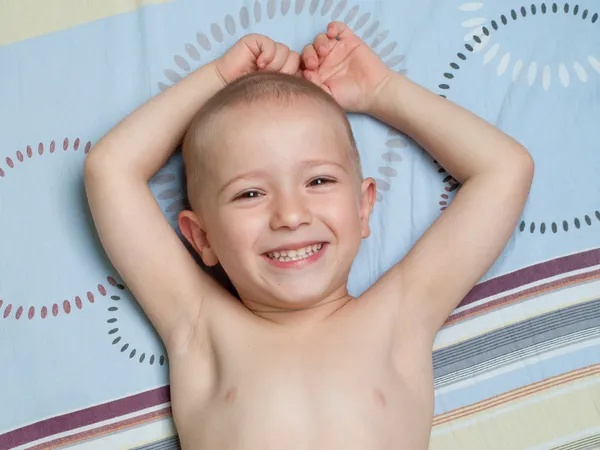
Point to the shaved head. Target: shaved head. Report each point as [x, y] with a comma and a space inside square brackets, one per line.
[253, 90]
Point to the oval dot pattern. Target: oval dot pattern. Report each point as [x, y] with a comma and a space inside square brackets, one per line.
[65, 306]
[515, 15]
[12, 163]
[360, 22]
[449, 183]
[283, 7]
[117, 340]
[61, 308]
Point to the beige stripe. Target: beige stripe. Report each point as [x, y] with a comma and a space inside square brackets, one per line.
[531, 420]
[24, 19]
[525, 391]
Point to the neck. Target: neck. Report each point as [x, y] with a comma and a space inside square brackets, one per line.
[302, 315]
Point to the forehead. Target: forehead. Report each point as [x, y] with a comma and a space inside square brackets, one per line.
[279, 137]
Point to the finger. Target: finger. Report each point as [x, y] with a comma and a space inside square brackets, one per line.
[338, 30]
[313, 77]
[267, 48]
[281, 54]
[292, 64]
[323, 44]
[310, 57]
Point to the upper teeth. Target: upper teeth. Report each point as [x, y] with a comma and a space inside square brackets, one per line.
[295, 255]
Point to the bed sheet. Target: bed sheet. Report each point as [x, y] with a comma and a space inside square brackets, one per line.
[518, 363]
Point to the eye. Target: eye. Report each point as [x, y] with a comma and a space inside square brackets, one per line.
[248, 195]
[321, 181]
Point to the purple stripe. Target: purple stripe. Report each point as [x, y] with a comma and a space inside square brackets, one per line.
[84, 417]
[532, 274]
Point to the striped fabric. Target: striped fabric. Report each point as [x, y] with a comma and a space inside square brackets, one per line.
[547, 337]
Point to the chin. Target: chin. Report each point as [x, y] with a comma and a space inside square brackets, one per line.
[300, 296]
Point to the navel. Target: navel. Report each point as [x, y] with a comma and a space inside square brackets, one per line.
[379, 397]
[231, 395]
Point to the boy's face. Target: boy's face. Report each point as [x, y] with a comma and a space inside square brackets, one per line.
[283, 210]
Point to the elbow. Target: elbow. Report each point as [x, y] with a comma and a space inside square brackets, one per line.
[92, 175]
[99, 167]
[518, 161]
[520, 170]
[513, 161]
[98, 170]
[515, 167]
[526, 164]
[92, 168]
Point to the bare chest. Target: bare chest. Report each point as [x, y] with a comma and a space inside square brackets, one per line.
[330, 389]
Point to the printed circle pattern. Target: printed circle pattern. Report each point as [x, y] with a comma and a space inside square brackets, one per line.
[480, 38]
[10, 309]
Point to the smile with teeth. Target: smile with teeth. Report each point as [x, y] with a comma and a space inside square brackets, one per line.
[295, 255]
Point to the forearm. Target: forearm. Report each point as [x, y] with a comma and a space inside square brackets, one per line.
[142, 142]
[461, 142]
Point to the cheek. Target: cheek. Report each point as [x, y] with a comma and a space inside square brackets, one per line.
[239, 229]
[343, 212]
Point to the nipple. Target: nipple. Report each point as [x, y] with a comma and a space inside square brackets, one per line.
[231, 395]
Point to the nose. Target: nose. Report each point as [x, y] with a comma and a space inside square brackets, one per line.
[290, 211]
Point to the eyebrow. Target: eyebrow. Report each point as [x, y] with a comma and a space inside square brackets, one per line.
[318, 162]
[252, 174]
[262, 172]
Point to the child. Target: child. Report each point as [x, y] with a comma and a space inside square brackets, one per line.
[278, 199]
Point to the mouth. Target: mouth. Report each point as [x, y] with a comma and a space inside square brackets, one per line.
[296, 257]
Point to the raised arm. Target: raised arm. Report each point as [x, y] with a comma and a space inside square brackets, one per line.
[463, 243]
[139, 241]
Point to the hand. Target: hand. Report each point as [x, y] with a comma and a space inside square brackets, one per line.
[344, 66]
[255, 52]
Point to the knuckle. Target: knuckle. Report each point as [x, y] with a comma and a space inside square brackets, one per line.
[255, 37]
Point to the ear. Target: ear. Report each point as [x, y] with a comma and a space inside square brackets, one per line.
[367, 201]
[193, 229]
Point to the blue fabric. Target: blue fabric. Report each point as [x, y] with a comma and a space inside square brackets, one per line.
[80, 82]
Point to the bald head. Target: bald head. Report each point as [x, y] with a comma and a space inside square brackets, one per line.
[252, 90]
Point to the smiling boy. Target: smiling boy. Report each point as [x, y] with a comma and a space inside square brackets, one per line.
[279, 201]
